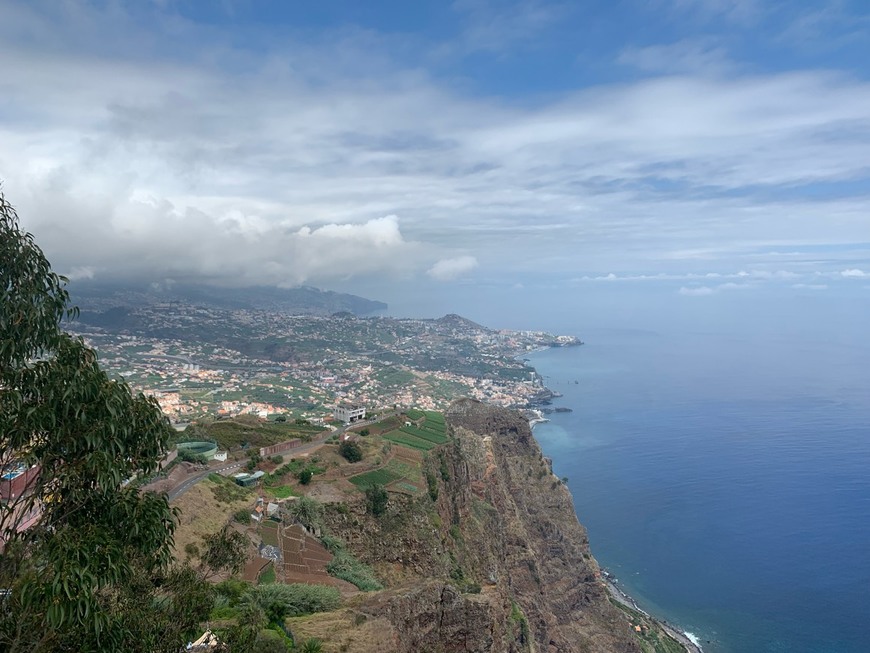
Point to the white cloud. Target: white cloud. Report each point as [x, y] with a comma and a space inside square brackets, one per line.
[810, 286]
[225, 166]
[452, 268]
[854, 273]
[84, 272]
[697, 291]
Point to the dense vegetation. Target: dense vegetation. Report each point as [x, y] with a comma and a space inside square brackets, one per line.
[87, 562]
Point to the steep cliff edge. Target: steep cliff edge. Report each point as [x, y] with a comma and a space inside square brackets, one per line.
[492, 560]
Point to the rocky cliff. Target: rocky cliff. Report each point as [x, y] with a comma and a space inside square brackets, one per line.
[492, 560]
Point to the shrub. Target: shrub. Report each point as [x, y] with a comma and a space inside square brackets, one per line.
[305, 476]
[278, 601]
[350, 451]
[307, 512]
[242, 516]
[277, 459]
[348, 568]
[377, 498]
[432, 484]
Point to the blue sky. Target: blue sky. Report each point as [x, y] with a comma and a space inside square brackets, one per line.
[693, 149]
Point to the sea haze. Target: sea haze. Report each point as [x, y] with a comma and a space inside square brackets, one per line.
[724, 476]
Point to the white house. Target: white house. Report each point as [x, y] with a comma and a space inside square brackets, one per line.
[349, 413]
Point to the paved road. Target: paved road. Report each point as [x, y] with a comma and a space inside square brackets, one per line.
[193, 480]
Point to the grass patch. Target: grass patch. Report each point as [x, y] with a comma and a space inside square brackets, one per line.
[268, 576]
[409, 440]
[425, 434]
[233, 433]
[348, 568]
[226, 490]
[282, 492]
[381, 476]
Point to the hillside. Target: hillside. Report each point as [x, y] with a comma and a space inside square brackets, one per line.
[483, 554]
[496, 563]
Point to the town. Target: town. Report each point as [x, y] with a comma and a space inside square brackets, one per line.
[202, 362]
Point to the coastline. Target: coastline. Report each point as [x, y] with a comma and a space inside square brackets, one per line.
[684, 639]
[672, 631]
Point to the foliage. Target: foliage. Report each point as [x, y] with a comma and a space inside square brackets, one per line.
[242, 516]
[305, 476]
[311, 645]
[432, 484]
[276, 459]
[94, 572]
[350, 451]
[269, 641]
[307, 512]
[231, 434]
[226, 490]
[345, 566]
[377, 498]
[443, 467]
[278, 601]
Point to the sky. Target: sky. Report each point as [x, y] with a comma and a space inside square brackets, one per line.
[650, 153]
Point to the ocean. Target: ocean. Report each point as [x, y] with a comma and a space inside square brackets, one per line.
[724, 479]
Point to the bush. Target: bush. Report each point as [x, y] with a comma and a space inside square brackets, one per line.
[242, 516]
[377, 498]
[189, 457]
[364, 432]
[350, 451]
[348, 568]
[305, 476]
[432, 484]
[277, 459]
[307, 512]
[279, 601]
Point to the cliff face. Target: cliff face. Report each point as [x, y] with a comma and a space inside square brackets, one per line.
[496, 562]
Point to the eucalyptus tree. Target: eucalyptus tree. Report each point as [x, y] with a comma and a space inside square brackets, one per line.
[87, 560]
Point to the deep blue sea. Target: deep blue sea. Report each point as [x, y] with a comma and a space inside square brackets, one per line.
[724, 479]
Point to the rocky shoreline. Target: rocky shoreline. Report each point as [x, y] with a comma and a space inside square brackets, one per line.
[675, 633]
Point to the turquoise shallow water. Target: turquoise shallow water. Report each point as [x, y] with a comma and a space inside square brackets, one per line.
[724, 480]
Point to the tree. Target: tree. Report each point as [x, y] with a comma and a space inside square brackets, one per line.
[376, 500]
[305, 476]
[86, 559]
[350, 451]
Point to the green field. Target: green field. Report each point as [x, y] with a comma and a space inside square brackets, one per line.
[381, 476]
[408, 440]
[415, 414]
[429, 436]
[282, 491]
[434, 416]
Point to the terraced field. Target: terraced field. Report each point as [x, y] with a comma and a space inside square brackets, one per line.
[382, 476]
[408, 440]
